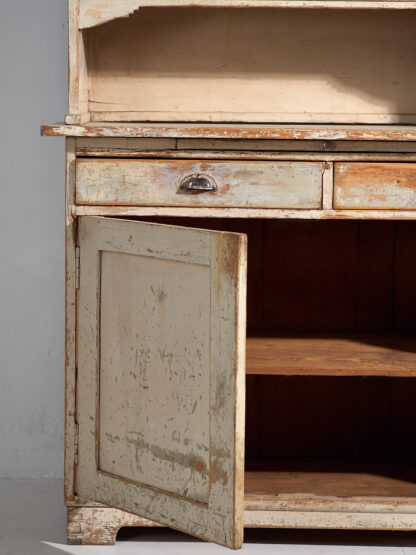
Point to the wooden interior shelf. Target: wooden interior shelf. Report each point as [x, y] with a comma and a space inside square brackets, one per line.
[331, 480]
[93, 12]
[333, 355]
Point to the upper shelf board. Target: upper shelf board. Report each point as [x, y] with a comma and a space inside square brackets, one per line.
[96, 12]
[232, 131]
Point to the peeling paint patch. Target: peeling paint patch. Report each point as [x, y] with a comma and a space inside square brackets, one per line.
[188, 461]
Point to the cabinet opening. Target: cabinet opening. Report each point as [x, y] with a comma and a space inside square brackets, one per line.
[331, 298]
[251, 65]
[331, 352]
[330, 436]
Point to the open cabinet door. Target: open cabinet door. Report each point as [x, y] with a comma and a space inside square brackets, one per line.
[161, 374]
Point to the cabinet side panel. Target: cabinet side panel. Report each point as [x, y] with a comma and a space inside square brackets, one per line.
[70, 322]
[77, 69]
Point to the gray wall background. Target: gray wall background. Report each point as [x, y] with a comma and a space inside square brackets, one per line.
[33, 90]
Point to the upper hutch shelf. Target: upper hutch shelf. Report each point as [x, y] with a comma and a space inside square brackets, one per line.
[96, 12]
[160, 61]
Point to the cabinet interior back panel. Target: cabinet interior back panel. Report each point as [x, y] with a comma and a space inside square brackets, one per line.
[276, 65]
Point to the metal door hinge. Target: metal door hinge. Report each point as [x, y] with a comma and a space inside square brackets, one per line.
[77, 267]
[76, 443]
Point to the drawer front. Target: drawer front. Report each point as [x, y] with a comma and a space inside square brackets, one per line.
[375, 186]
[239, 184]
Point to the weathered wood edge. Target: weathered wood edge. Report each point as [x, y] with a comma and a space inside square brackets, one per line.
[240, 389]
[100, 525]
[225, 154]
[244, 213]
[70, 323]
[244, 131]
[77, 69]
[96, 14]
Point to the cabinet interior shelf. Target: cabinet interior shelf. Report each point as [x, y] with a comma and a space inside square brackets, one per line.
[93, 13]
[332, 355]
[331, 480]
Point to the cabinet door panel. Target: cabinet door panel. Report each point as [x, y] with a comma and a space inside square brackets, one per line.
[161, 339]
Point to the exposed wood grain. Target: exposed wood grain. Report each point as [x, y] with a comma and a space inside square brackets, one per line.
[333, 355]
[331, 520]
[94, 525]
[374, 186]
[156, 182]
[96, 12]
[297, 156]
[140, 72]
[328, 186]
[213, 509]
[251, 149]
[123, 146]
[242, 131]
[99, 525]
[330, 480]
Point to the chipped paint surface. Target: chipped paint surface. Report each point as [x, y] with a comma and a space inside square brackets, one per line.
[162, 365]
[99, 525]
[240, 183]
[375, 185]
[155, 349]
[242, 131]
[97, 12]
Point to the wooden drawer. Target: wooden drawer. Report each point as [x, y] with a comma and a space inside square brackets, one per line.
[375, 186]
[239, 184]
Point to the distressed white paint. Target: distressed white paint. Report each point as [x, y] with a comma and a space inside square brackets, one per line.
[232, 131]
[154, 356]
[202, 212]
[92, 525]
[219, 517]
[240, 183]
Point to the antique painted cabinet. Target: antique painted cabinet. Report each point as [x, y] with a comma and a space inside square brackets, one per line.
[240, 266]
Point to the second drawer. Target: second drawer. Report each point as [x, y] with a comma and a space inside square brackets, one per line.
[168, 183]
[375, 185]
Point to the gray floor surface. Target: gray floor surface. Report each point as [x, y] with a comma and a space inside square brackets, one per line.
[32, 522]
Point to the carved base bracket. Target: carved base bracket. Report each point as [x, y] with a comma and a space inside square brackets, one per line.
[99, 525]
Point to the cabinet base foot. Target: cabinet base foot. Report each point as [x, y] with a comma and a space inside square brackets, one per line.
[99, 525]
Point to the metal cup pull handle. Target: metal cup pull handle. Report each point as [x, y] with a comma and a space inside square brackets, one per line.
[197, 183]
